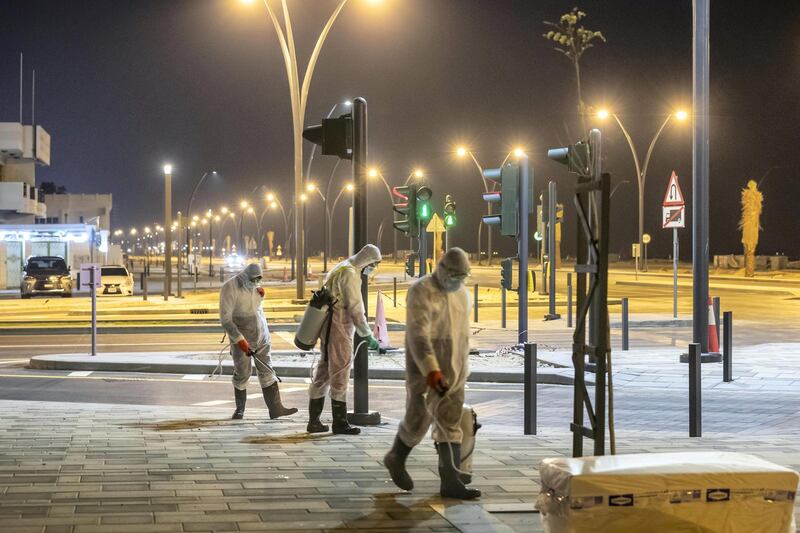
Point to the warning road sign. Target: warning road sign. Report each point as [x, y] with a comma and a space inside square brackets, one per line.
[673, 217]
[674, 195]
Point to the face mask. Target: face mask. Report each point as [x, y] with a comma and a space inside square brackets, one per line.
[251, 283]
[453, 285]
[369, 270]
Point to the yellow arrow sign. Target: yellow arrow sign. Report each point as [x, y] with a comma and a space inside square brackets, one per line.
[436, 225]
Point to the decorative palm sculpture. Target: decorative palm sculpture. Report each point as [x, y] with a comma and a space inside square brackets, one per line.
[752, 200]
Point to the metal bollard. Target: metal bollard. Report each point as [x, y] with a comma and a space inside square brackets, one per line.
[195, 281]
[717, 318]
[144, 286]
[727, 347]
[569, 299]
[529, 409]
[625, 333]
[476, 302]
[394, 299]
[695, 409]
[221, 274]
[503, 307]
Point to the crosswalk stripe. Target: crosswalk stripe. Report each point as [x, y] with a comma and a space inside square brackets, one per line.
[194, 377]
[80, 373]
[286, 336]
[212, 403]
[13, 361]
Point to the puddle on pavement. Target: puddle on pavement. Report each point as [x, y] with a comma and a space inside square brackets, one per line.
[294, 438]
[177, 425]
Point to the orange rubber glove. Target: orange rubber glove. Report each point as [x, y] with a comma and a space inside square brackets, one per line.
[260, 291]
[436, 381]
[244, 346]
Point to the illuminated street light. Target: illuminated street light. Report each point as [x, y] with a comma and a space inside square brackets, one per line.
[373, 172]
[641, 170]
[349, 187]
[519, 152]
[243, 204]
[418, 173]
[133, 231]
[224, 210]
[461, 151]
[270, 197]
[311, 187]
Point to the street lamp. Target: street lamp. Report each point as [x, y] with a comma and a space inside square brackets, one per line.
[641, 170]
[311, 187]
[298, 90]
[168, 231]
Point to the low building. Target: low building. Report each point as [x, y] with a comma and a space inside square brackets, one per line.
[22, 148]
[79, 209]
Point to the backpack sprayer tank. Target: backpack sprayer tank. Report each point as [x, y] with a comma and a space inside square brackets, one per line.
[319, 309]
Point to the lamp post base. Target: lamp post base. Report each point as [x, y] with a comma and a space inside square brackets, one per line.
[364, 419]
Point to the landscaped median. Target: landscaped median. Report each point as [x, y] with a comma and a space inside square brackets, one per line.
[492, 367]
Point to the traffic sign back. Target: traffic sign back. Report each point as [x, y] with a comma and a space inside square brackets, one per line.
[674, 195]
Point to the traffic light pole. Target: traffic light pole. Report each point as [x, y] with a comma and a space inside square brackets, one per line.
[551, 250]
[361, 415]
[423, 251]
[522, 247]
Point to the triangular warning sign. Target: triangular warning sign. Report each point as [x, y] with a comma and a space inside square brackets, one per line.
[674, 195]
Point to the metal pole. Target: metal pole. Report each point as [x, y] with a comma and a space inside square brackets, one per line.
[180, 256]
[93, 290]
[625, 331]
[394, 297]
[530, 389]
[503, 307]
[569, 299]
[727, 347]
[361, 414]
[525, 179]
[551, 249]
[674, 272]
[210, 249]
[700, 169]
[717, 318]
[423, 251]
[475, 298]
[695, 407]
[144, 286]
[325, 236]
[168, 234]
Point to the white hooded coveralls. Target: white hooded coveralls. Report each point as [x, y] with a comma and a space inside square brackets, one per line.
[242, 317]
[332, 369]
[437, 337]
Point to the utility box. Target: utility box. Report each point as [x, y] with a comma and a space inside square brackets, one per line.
[695, 491]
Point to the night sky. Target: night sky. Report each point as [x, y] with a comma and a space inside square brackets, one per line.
[125, 86]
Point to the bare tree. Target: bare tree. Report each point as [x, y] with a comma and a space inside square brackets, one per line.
[572, 40]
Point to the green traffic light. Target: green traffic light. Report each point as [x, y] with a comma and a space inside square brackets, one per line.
[424, 211]
[449, 220]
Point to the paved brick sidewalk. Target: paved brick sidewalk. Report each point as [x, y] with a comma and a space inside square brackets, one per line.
[86, 467]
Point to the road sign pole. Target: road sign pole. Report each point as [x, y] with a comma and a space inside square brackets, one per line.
[93, 289]
[674, 272]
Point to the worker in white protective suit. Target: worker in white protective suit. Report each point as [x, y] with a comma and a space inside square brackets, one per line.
[332, 371]
[437, 365]
[243, 319]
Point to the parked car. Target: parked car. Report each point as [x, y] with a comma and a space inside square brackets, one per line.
[46, 275]
[234, 262]
[116, 279]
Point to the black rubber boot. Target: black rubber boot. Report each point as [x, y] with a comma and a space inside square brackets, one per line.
[395, 463]
[272, 397]
[241, 399]
[315, 406]
[451, 485]
[340, 424]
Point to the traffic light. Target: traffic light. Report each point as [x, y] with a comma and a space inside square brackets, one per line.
[507, 219]
[407, 208]
[334, 135]
[574, 156]
[424, 195]
[506, 273]
[449, 212]
[411, 264]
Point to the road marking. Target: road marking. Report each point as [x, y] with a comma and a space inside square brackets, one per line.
[13, 361]
[194, 377]
[212, 403]
[80, 373]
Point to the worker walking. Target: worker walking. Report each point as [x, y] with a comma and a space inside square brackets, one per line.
[243, 319]
[332, 371]
[437, 365]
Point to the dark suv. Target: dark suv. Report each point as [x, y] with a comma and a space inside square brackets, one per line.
[46, 275]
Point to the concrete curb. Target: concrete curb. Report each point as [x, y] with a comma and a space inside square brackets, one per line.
[177, 366]
[737, 288]
[153, 328]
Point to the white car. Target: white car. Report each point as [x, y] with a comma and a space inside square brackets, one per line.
[234, 262]
[115, 279]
